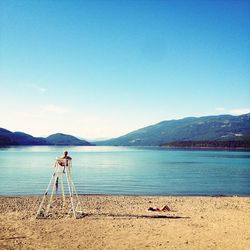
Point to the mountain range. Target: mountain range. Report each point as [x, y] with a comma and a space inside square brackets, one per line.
[19, 138]
[207, 128]
[214, 131]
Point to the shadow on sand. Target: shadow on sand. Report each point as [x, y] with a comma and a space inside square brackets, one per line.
[13, 238]
[135, 216]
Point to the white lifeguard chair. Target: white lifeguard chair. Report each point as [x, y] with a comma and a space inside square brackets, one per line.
[70, 199]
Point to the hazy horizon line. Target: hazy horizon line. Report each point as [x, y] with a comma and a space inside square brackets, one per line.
[93, 139]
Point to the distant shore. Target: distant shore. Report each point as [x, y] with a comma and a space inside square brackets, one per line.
[206, 148]
[161, 146]
[216, 145]
[123, 222]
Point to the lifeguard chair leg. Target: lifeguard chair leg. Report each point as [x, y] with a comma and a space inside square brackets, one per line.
[70, 193]
[74, 190]
[51, 196]
[45, 194]
[63, 195]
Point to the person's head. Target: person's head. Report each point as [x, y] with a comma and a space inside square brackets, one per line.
[65, 153]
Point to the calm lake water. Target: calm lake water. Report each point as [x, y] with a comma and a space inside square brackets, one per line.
[128, 170]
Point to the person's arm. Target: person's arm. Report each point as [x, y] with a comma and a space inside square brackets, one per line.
[61, 161]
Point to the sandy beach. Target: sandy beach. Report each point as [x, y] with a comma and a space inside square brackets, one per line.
[123, 222]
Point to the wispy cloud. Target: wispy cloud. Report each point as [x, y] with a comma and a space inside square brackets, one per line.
[54, 109]
[240, 111]
[220, 109]
[38, 88]
[236, 111]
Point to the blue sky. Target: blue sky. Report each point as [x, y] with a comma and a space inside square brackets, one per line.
[104, 68]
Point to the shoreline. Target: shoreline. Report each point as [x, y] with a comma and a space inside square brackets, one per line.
[132, 146]
[124, 222]
[133, 195]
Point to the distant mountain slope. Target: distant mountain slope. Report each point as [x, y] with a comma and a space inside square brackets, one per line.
[63, 139]
[19, 138]
[208, 128]
[25, 139]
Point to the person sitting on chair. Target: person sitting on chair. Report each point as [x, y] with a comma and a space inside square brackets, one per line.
[64, 159]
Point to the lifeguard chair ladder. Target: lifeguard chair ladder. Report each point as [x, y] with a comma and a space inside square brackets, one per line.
[62, 167]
